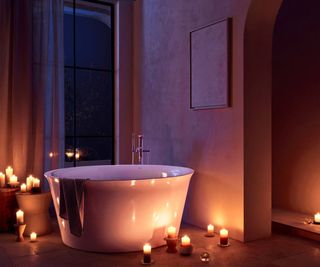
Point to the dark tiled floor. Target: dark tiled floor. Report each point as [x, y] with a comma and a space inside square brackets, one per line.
[279, 250]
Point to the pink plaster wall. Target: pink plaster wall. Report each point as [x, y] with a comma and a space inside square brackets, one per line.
[209, 141]
[296, 107]
[229, 148]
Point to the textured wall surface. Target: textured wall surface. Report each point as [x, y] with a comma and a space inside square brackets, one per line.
[296, 107]
[209, 141]
[229, 148]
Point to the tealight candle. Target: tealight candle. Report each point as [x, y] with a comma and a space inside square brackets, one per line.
[224, 237]
[29, 182]
[171, 232]
[23, 188]
[210, 230]
[2, 180]
[317, 218]
[147, 253]
[19, 215]
[33, 237]
[185, 241]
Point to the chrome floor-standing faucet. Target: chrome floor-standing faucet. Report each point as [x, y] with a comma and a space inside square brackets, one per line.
[137, 147]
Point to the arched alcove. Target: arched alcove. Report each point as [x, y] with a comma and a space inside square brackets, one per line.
[296, 108]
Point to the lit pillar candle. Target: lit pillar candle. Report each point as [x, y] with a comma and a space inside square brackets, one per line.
[13, 181]
[210, 229]
[23, 188]
[171, 232]
[146, 253]
[29, 182]
[33, 237]
[185, 241]
[36, 182]
[224, 237]
[9, 171]
[317, 218]
[20, 218]
[2, 180]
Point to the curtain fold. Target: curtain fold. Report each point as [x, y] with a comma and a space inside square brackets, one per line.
[31, 86]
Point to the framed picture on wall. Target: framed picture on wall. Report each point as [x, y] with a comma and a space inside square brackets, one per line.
[210, 65]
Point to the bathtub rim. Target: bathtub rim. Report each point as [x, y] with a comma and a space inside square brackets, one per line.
[188, 171]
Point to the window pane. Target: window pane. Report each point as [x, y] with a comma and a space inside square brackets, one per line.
[93, 36]
[93, 148]
[69, 101]
[94, 103]
[68, 36]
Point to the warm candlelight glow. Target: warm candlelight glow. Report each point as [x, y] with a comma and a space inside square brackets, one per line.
[2, 180]
[13, 181]
[33, 236]
[9, 171]
[19, 215]
[210, 229]
[147, 249]
[69, 154]
[36, 182]
[23, 188]
[185, 241]
[171, 232]
[317, 218]
[77, 156]
[224, 237]
[29, 182]
[51, 154]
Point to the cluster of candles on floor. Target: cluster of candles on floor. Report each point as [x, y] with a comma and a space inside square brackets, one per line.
[10, 180]
[20, 227]
[186, 247]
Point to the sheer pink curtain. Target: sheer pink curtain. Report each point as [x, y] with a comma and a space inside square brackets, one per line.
[31, 86]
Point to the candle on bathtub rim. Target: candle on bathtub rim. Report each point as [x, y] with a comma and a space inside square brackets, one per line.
[172, 232]
[2, 180]
[23, 188]
[317, 218]
[29, 182]
[33, 237]
[20, 217]
[224, 237]
[146, 253]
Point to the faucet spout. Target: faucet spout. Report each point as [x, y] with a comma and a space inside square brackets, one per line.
[139, 149]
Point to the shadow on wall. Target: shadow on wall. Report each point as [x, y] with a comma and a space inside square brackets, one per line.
[296, 107]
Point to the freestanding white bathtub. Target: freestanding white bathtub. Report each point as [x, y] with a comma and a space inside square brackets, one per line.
[124, 206]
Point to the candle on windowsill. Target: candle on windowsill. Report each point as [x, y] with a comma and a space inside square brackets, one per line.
[23, 188]
[2, 180]
[172, 232]
[317, 218]
[224, 240]
[33, 237]
[29, 182]
[20, 217]
[147, 253]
